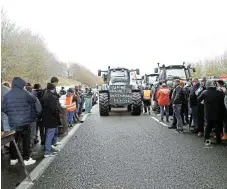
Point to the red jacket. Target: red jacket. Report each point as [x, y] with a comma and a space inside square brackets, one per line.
[163, 96]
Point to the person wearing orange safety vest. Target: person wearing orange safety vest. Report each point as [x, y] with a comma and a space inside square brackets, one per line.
[146, 96]
[70, 103]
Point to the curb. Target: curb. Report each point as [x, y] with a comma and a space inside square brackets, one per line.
[45, 163]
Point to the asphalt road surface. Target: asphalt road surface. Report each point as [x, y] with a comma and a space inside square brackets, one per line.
[123, 151]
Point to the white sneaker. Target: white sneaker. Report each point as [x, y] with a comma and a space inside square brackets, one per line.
[55, 148]
[57, 144]
[13, 161]
[29, 162]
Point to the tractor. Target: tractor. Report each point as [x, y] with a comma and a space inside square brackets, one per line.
[122, 91]
[149, 79]
[169, 74]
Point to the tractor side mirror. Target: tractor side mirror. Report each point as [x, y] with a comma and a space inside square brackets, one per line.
[138, 71]
[156, 70]
[193, 69]
[99, 72]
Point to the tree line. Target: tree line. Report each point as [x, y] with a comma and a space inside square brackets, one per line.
[26, 55]
[212, 67]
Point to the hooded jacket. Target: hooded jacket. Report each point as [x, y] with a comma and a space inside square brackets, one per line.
[17, 104]
[213, 103]
[51, 109]
[163, 96]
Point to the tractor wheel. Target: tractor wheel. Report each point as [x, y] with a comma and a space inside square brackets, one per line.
[103, 104]
[136, 103]
[129, 108]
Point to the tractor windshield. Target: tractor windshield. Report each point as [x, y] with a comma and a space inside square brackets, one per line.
[151, 79]
[173, 73]
[119, 73]
[119, 76]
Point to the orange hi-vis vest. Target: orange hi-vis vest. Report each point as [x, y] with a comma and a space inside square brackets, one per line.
[70, 105]
[146, 94]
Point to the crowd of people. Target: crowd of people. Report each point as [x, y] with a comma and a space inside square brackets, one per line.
[27, 109]
[201, 105]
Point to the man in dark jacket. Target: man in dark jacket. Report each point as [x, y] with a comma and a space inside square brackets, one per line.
[194, 102]
[51, 108]
[200, 108]
[36, 109]
[80, 92]
[177, 103]
[38, 92]
[17, 106]
[213, 102]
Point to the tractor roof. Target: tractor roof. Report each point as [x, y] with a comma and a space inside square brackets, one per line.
[119, 68]
[173, 67]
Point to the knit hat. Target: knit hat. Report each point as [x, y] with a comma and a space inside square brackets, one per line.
[50, 86]
[70, 90]
[209, 84]
[204, 79]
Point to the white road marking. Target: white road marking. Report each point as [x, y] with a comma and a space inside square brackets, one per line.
[159, 122]
[45, 163]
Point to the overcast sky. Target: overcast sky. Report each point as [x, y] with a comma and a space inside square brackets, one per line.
[128, 33]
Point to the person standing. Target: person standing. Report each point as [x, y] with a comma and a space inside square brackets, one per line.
[36, 110]
[51, 109]
[88, 101]
[194, 102]
[38, 92]
[164, 101]
[62, 91]
[213, 103]
[146, 96]
[81, 101]
[177, 98]
[222, 88]
[200, 109]
[70, 103]
[4, 117]
[17, 106]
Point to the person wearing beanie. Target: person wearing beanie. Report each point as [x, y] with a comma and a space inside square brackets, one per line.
[213, 102]
[70, 103]
[200, 108]
[164, 101]
[177, 99]
[50, 114]
[17, 106]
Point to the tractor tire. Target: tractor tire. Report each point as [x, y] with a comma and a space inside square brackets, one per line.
[103, 104]
[136, 103]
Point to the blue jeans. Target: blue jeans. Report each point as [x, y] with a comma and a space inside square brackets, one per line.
[177, 112]
[50, 132]
[162, 111]
[77, 108]
[88, 105]
[194, 116]
[55, 139]
[70, 117]
[5, 122]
